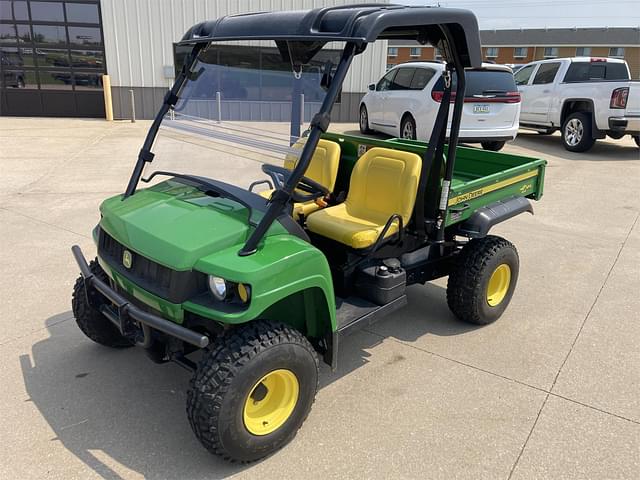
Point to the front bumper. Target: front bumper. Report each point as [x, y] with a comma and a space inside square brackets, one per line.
[628, 124]
[123, 314]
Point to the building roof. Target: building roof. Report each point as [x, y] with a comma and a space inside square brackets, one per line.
[608, 36]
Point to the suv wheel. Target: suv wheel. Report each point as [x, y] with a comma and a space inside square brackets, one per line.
[364, 120]
[576, 132]
[493, 146]
[408, 127]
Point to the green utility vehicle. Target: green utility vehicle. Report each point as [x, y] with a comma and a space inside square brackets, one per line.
[248, 279]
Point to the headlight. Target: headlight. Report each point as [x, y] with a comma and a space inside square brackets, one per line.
[218, 287]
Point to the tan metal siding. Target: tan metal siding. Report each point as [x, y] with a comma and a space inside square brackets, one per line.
[139, 36]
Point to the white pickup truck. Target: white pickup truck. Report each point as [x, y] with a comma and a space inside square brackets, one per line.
[586, 98]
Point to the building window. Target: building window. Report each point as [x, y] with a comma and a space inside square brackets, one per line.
[550, 52]
[392, 51]
[437, 53]
[583, 52]
[492, 52]
[415, 51]
[520, 52]
[616, 52]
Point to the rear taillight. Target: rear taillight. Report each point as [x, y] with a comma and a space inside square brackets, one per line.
[619, 98]
[511, 97]
[507, 97]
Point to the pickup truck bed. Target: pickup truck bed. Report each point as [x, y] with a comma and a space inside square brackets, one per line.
[480, 177]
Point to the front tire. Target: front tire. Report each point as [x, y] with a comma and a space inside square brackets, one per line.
[576, 132]
[252, 391]
[493, 146]
[364, 120]
[90, 321]
[483, 279]
[408, 127]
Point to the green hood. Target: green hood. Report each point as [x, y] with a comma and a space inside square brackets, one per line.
[176, 225]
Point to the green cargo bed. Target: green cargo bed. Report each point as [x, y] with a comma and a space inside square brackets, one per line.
[480, 177]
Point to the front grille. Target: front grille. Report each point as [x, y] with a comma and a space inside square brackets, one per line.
[172, 285]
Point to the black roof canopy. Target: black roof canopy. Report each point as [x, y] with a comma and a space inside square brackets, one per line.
[360, 24]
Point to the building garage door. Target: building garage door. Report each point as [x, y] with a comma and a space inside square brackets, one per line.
[52, 58]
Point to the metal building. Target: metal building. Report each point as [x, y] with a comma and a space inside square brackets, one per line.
[54, 52]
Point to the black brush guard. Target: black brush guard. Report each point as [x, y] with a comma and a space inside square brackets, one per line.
[123, 313]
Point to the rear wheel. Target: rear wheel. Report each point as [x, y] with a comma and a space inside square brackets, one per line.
[493, 146]
[93, 323]
[252, 391]
[576, 132]
[408, 127]
[364, 120]
[483, 279]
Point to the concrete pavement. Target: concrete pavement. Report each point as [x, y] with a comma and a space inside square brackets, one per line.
[551, 390]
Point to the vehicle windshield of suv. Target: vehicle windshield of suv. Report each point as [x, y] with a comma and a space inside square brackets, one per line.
[234, 113]
[481, 83]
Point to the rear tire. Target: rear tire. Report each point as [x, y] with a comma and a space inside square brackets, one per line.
[576, 132]
[483, 279]
[90, 321]
[493, 146]
[364, 120]
[408, 127]
[241, 403]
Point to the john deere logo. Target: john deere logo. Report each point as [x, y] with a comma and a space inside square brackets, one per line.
[127, 259]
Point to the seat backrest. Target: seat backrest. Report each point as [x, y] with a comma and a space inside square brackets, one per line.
[384, 182]
[324, 164]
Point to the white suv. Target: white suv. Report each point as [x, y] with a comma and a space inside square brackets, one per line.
[405, 101]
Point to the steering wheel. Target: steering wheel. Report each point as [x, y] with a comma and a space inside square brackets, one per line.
[279, 175]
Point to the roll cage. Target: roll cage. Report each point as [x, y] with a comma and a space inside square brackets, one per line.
[299, 35]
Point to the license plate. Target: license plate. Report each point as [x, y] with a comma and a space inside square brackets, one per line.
[481, 109]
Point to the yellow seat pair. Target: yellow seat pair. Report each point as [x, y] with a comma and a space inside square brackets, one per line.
[323, 168]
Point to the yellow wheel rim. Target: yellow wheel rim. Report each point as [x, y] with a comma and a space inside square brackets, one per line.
[498, 285]
[271, 402]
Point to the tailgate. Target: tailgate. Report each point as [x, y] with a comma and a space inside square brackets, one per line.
[633, 100]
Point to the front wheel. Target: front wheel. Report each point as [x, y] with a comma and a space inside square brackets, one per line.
[576, 132]
[408, 128]
[252, 391]
[90, 321]
[493, 146]
[482, 280]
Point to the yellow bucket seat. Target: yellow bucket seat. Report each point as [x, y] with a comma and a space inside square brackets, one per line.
[323, 168]
[383, 183]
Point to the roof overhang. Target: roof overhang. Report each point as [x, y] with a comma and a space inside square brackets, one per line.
[360, 24]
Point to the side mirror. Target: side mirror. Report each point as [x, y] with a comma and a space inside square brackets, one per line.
[372, 86]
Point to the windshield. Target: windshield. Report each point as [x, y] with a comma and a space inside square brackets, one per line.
[242, 106]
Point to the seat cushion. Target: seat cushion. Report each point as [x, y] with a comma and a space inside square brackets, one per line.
[339, 225]
[383, 183]
[304, 208]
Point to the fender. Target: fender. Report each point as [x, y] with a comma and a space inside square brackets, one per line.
[483, 219]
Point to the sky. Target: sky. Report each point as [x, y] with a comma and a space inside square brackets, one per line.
[501, 14]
